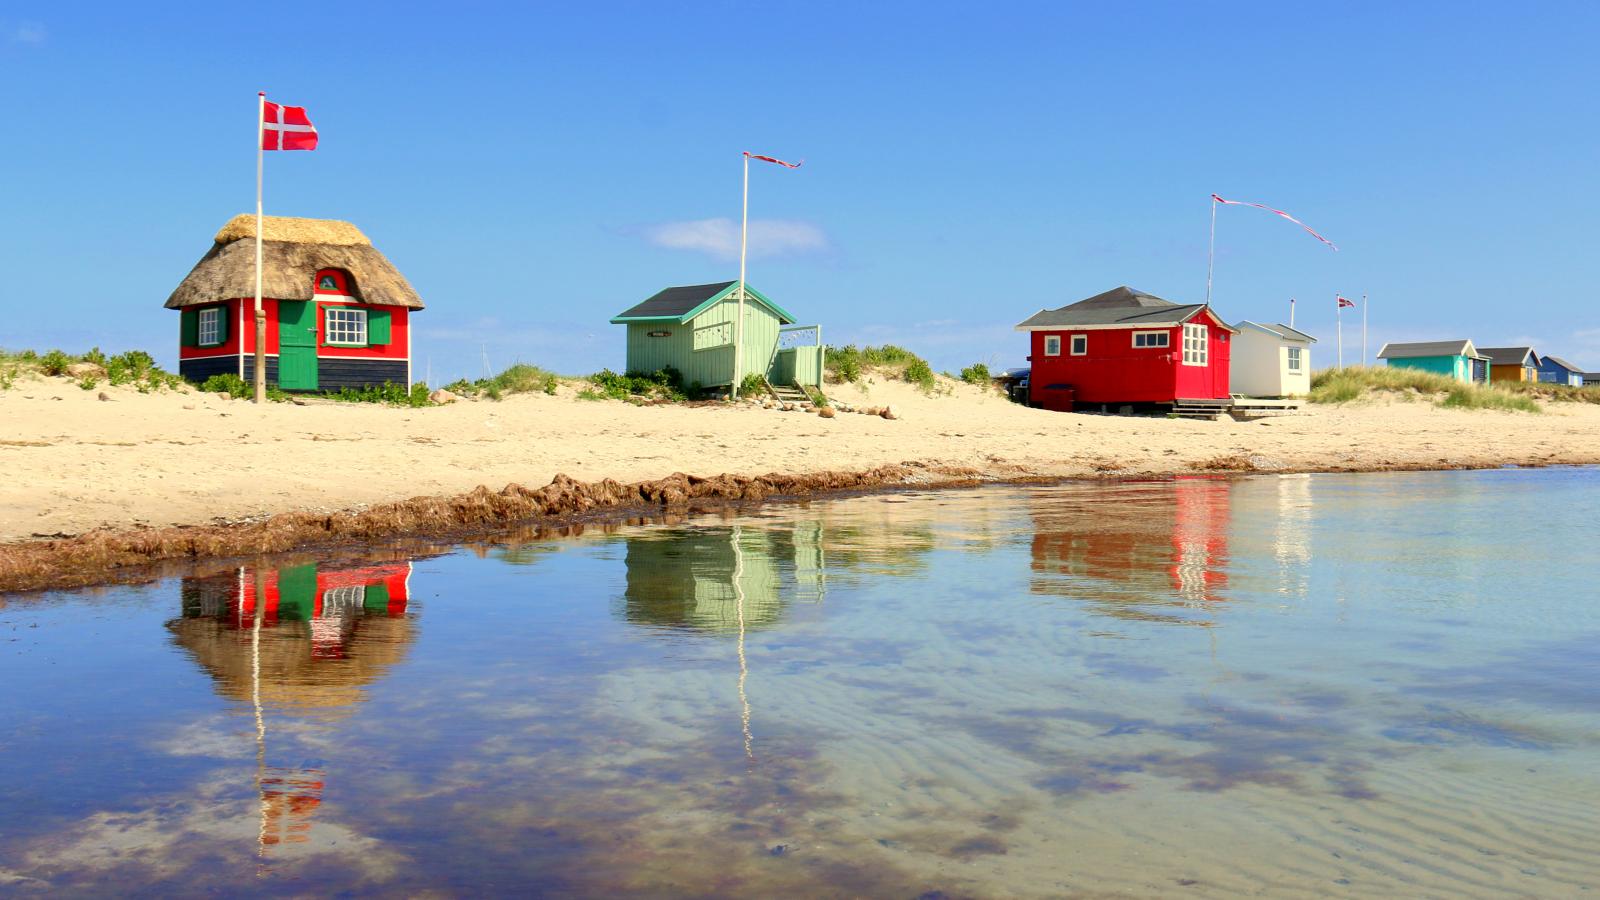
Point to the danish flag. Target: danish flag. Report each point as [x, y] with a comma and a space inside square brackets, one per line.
[1344, 303]
[286, 128]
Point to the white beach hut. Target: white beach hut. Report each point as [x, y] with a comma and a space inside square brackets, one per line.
[1270, 361]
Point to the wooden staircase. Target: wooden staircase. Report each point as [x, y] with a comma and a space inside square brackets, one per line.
[1211, 410]
[788, 393]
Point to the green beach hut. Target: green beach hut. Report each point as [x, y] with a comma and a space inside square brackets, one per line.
[1454, 359]
[692, 328]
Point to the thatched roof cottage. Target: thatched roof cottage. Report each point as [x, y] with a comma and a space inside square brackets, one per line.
[338, 312]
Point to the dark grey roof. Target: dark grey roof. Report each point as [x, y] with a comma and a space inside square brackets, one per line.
[1425, 348]
[1562, 363]
[675, 301]
[1510, 356]
[1118, 306]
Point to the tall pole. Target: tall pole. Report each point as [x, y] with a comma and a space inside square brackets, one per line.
[1291, 312]
[1340, 315]
[1211, 251]
[1363, 328]
[261, 315]
[738, 325]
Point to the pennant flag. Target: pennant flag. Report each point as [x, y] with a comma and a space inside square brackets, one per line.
[286, 128]
[778, 161]
[1276, 212]
[1344, 303]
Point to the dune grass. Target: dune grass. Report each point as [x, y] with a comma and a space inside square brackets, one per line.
[520, 378]
[1345, 385]
[133, 367]
[848, 363]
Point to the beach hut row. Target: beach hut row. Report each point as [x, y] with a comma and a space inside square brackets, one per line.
[1462, 361]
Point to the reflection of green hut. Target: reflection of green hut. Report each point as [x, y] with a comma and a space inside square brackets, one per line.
[697, 578]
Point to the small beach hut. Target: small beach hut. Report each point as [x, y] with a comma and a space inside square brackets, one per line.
[692, 328]
[1270, 361]
[1555, 370]
[1126, 347]
[338, 312]
[1512, 363]
[1454, 359]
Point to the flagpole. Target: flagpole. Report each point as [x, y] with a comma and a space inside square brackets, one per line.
[1363, 328]
[738, 326]
[261, 316]
[1340, 315]
[1211, 250]
[1291, 312]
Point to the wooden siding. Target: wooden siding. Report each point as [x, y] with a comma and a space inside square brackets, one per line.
[332, 373]
[797, 365]
[1513, 372]
[1457, 367]
[710, 365]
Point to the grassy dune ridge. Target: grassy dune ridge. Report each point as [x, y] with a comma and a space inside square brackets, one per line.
[1353, 383]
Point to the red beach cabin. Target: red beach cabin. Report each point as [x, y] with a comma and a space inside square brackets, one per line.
[1126, 348]
[338, 313]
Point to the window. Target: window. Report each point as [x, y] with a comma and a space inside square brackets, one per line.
[1080, 344]
[346, 327]
[1195, 345]
[330, 281]
[1294, 358]
[1152, 339]
[210, 326]
[718, 335]
[1052, 345]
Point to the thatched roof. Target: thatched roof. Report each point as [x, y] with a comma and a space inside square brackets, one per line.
[292, 251]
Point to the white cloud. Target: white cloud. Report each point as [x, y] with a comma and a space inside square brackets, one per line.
[27, 33]
[719, 238]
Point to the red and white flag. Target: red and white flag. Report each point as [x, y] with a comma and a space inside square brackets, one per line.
[1344, 303]
[772, 160]
[286, 128]
[1276, 212]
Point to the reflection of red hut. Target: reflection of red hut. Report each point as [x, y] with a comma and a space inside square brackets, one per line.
[1134, 546]
[289, 798]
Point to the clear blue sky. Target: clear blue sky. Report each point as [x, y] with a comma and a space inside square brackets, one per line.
[535, 171]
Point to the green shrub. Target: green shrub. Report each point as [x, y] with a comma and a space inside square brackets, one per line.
[666, 384]
[229, 384]
[95, 356]
[978, 374]
[54, 363]
[918, 373]
[88, 382]
[849, 362]
[521, 378]
[387, 393]
[753, 385]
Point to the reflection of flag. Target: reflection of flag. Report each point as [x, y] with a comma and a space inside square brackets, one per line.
[1344, 303]
[772, 160]
[286, 128]
[1276, 212]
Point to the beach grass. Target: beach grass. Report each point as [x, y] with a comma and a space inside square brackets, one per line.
[1336, 386]
[849, 363]
[131, 367]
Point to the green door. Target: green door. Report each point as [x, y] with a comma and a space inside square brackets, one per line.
[297, 345]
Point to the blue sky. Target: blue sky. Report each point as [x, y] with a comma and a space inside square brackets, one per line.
[535, 169]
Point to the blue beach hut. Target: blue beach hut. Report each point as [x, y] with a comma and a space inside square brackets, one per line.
[1555, 370]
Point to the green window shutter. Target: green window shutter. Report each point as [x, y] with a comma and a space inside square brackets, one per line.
[377, 327]
[375, 597]
[222, 324]
[189, 332]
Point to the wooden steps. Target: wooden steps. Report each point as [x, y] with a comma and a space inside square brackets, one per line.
[788, 393]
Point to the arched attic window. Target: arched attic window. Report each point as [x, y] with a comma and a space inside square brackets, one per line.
[332, 281]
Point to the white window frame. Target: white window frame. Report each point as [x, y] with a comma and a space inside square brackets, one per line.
[1052, 345]
[1078, 345]
[210, 327]
[1296, 358]
[1196, 345]
[1165, 339]
[342, 336]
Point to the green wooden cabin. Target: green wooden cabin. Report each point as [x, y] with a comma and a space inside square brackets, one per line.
[692, 328]
[1455, 359]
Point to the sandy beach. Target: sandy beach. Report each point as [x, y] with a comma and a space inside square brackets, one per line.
[78, 463]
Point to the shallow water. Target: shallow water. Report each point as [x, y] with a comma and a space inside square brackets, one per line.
[1370, 685]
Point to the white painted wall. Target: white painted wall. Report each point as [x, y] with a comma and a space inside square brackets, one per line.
[1261, 366]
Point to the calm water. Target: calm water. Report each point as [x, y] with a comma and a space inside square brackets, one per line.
[1377, 685]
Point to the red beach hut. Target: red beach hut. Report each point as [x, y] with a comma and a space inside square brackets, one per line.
[1127, 348]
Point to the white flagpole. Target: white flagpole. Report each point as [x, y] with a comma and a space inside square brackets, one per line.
[1211, 250]
[1291, 312]
[738, 325]
[1363, 328]
[261, 315]
[1340, 315]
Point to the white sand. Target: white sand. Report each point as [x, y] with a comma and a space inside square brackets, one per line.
[74, 462]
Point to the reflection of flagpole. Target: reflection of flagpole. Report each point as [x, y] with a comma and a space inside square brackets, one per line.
[255, 700]
[744, 669]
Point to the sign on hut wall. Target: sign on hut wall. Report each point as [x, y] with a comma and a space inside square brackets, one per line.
[659, 334]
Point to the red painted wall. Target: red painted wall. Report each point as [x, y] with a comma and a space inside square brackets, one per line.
[1114, 371]
[242, 332]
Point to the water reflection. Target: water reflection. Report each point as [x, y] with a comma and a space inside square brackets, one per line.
[722, 579]
[1135, 551]
[301, 637]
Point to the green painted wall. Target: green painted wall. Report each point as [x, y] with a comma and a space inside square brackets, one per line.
[711, 364]
[1457, 367]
